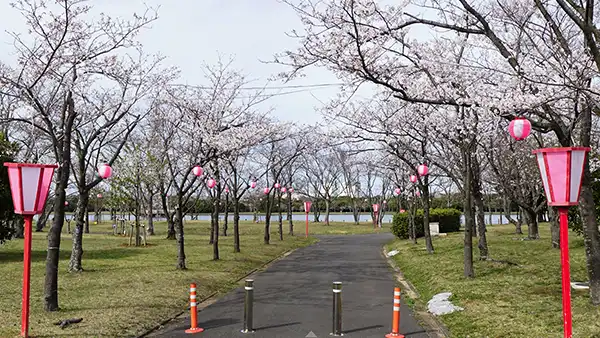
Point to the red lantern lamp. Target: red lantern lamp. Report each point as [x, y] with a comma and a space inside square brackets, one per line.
[266, 191]
[423, 170]
[561, 170]
[253, 184]
[29, 185]
[211, 183]
[397, 191]
[198, 171]
[519, 128]
[105, 171]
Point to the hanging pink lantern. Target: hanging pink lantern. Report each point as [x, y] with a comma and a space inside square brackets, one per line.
[227, 190]
[422, 170]
[397, 191]
[99, 195]
[283, 190]
[66, 204]
[402, 211]
[291, 190]
[417, 193]
[277, 185]
[413, 178]
[266, 191]
[384, 202]
[519, 128]
[198, 171]
[105, 171]
[253, 184]
[211, 183]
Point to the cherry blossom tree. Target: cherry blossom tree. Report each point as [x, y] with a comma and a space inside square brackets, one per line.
[60, 57]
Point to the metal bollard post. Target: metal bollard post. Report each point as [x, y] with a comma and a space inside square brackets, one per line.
[248, 306]
[337, 309]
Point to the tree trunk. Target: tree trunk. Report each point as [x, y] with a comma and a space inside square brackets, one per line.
[327, 211]
[587, 209]
[480, 208]
[468, 270]
[216, 228]
[87, 220]
[171, 233]
[77, 247]
[42, 219]
[355, 212]
[412, 231]
[236, 225]
[554, 227]
[280, 217]
[267, 237]
[180, 239]
[226, 215]
[532, 224]
[425, 199]
[52, 257]
[150, 215]
[316, 211]
[289, 214]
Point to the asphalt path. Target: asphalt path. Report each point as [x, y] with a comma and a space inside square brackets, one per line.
[293, 297]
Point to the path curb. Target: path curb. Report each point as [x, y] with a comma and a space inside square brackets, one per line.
[435, 328]
[213, 297]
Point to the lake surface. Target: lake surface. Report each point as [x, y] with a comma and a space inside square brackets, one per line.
[344, 217]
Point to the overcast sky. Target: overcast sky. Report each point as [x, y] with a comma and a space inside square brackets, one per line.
[189, 32]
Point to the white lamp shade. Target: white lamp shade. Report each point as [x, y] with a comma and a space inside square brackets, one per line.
[562, 172]
[307, 205]
[29, 185]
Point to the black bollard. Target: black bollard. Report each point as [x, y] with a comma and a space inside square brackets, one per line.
[337, 309]
[248, 306]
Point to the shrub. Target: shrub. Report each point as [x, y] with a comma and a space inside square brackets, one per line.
[448, 219]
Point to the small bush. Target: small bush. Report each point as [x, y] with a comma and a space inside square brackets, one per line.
[449, 220]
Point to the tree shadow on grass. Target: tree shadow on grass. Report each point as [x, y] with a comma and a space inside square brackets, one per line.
[40, 255]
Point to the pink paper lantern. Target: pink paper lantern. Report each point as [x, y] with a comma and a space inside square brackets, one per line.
[375, 207]
[29, 185]
[397, 191]
[417, 193]
[307, 205]
[562, 171]
[104, 170]
[198, 171]
[413, 178]
[277, 185]
[291, 190]
[211, 183]
[519, 128]
[99, 195]
[66, 203]
[266, 191]
[253, 184]
[384, 202]
[422, 170]
[283, 190]
[402, 211]
[227, 190]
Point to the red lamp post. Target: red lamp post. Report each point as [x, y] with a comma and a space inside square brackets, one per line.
[375, 215]
[29, 185]
[307, 205]
[562, 171]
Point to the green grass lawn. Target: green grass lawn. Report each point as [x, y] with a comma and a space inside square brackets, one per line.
[127, 290]
[503, 300]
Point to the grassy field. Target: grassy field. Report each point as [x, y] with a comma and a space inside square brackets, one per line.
[126, 290]
[503, 300]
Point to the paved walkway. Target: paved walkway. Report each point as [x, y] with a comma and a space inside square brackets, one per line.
[294, 295]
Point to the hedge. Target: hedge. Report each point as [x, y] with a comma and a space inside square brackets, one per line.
[449, 220]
